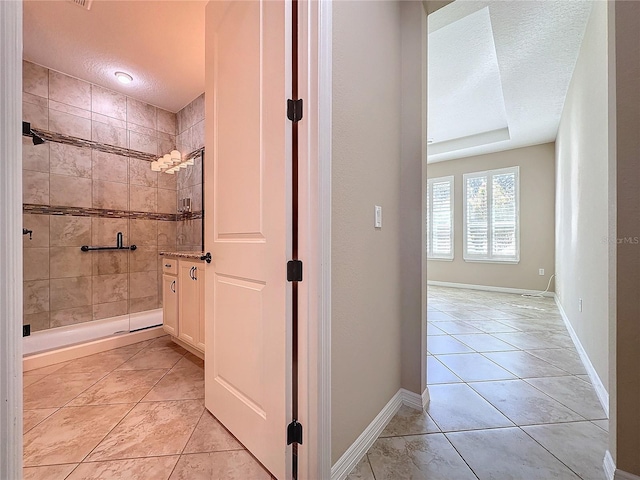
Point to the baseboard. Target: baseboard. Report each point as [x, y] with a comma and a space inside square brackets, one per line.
[363, 443]
[488, 288]
[599, 387]
[65, 354]
[612, 473]
[415, 400]
[187, 347]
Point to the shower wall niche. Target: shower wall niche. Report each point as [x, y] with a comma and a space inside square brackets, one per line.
[90, 180]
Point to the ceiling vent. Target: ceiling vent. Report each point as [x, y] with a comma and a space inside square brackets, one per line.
[86, 4]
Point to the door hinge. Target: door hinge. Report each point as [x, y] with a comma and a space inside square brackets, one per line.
[294, 433]
[294, 110]
[294, 271]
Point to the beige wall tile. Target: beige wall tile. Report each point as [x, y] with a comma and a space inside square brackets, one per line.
[109, 134]
[110, 288]
[35, 187]
[36, 115]
[69, 90]
[143, 143]
[143, 284]
[70, 160]
[38, 321]
[111, 262]
[36, 296]
[167, 181]
[35, 157]
[67, 124]
[108, 102]
[70, 262]
[35, 264]
[144, 303]
[112, 309]
[149, 132]
[140, 173]
[110, 195]
[105, 230]
[70, 292]
[70, 191]
[144, 232]
[143, 199]
[198, 109]
[63, 107]
[114, 122]
[166, 145]
[144, 259]
[39, 224]
[141, 113]
[35, 99]
[197, 135]
[110, 167]
[183, 142]
[35, 79]
[166, 201]
[66, 231]
[167, 121]
[166, 233]
[71, 316]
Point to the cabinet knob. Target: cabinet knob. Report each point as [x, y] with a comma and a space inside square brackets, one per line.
[168, 265]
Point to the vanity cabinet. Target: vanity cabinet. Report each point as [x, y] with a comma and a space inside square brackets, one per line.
[183, 302]
[191, 299]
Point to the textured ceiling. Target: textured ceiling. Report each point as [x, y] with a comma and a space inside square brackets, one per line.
[499, 73]
[159, 43]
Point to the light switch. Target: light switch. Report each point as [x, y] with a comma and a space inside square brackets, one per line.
[378, 217]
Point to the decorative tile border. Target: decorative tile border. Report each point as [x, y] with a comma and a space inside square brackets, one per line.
[34, 209]
[103, 147]
[189, 255]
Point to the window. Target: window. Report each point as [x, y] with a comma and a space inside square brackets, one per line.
[491, 215]
[440, 218]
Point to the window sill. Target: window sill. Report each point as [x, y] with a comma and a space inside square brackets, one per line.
[439, 259]
[484, 260]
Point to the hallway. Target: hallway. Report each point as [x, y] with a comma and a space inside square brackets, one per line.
[510, 398]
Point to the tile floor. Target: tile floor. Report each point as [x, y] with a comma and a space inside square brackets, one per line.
[134, 413]
[510, 398]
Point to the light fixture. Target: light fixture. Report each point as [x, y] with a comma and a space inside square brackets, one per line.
[124, 77]
[171, 162]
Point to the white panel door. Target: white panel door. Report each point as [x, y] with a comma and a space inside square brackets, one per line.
[248, 224]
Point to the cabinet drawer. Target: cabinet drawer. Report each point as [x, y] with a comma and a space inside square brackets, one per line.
[170, 266]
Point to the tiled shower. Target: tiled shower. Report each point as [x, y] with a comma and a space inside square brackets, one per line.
[92, 179]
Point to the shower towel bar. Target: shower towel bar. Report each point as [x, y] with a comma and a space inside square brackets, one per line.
[119, 246]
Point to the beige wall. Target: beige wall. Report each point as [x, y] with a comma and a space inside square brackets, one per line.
[582, 196]
[367, 352]
[537, 196]
[624, 438]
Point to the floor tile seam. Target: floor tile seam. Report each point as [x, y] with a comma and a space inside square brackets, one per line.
[460, 455]
[561, 403]
[552, 454]
[370, 466]
[512, 420]
[194, 430]
[57, 409]
[442, 363]
[510, 371]
[83, 391]
[109, 432]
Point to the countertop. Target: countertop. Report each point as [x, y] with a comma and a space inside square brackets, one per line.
[189, 255]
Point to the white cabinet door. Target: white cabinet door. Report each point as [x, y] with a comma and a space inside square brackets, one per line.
[170, 304]
[248, 178]
[190, 303]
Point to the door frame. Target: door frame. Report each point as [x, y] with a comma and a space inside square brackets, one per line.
[314, 230]
[11, 251]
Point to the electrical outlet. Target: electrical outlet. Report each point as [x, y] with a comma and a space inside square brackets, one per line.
[26, 330]
[580, 304]
[378, 217]
[541, 271]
